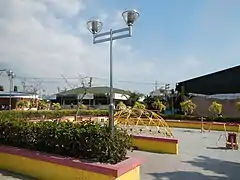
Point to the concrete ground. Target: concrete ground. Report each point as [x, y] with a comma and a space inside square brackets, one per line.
[199, 159]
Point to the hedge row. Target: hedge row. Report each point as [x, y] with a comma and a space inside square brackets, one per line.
[48, 114]
[85, 141]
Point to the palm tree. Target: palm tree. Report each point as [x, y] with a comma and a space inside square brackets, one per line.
[133, 97]
[148, 101]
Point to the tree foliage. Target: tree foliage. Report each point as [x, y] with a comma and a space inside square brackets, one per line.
[238, 105]
[157, 104]
[43, 105]
[82, 106]
[79, 140]
[22, 104]
[139, 105]
[215, 109]
[188, 107]
[133, 97]
[56, 106]
[121, 106]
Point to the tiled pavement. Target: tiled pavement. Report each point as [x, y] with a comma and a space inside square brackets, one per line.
[199, 159]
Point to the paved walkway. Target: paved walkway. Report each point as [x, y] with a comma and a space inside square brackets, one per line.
[199, 159]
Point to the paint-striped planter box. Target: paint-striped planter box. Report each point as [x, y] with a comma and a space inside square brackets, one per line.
[50, 167]
[157, 145]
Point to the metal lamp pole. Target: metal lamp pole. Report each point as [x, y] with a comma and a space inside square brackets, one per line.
[95, 26]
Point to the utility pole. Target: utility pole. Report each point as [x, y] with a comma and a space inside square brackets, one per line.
[166, 88]
[11, 75]
[90, 81]
[156, 85]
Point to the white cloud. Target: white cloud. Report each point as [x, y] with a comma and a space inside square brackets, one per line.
[42, 39]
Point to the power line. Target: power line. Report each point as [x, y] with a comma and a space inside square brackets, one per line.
[60, 79]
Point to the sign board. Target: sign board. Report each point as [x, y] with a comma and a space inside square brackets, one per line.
[86, 96]
[120, 96]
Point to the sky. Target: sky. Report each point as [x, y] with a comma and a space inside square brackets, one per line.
[43, 41]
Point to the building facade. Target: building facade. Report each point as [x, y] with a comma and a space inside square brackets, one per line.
[93, 97]
[221, 86]
[14, 97]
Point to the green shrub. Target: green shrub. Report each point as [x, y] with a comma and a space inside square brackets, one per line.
[49, 114]
[86, 141]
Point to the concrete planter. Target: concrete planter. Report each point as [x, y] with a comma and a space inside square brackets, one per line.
[45, 166]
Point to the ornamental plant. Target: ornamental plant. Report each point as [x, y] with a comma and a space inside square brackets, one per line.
[157, 104]
[22, 104]
[43, 105]
[82, 106]
[83, 141]
[215, 109]
[56, 106]
[121, 106]
[238, 105]
[139, 105]
[188, 107]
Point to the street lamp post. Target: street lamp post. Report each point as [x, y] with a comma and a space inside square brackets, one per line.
[95, 26]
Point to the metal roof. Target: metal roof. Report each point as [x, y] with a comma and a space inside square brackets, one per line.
[17, 95]
[92, 90]
[220, 82]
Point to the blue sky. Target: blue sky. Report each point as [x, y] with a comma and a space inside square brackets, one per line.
[172, 41]
[170, 30]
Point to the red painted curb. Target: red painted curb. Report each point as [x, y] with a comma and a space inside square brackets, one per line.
[115, 170]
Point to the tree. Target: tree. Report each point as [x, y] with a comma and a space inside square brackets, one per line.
[188, 107]
[215, 109]
[139, 105]
[238, 105]
[148, 101]
[43, 105]
[56, 106]
[157, 104]
[80, 100]
[22, 104]
[82, 106]
[133, 98]
[121, 106]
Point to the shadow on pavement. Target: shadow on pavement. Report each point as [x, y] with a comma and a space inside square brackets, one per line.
[211, 169]
[6, 174]
[220, 148]
[184, 175]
